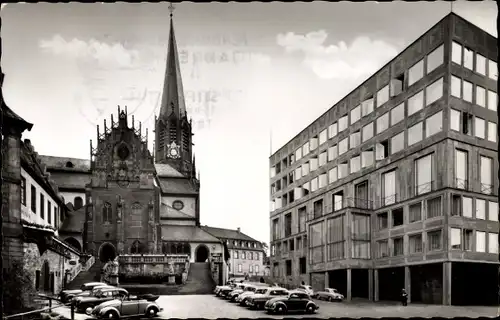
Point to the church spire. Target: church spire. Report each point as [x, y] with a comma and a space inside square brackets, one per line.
[172, 100]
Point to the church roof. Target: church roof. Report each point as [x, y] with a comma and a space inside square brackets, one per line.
[174, 213]
[173, 92]
[222, 233]
[166, 170]
[177, 186]
[187, 234]
[70, 180]
[65, 163]
[74, 221]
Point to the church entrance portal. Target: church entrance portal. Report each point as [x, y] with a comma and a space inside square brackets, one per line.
[107, 252]
[201, 253]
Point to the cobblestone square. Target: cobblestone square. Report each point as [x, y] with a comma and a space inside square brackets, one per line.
[211, 307]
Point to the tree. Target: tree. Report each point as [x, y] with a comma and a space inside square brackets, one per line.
[266, 248]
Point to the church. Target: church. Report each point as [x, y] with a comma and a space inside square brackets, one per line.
[126, 200]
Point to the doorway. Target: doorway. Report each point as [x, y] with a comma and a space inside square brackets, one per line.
[107, 252]
[201, 254]
[46, 277]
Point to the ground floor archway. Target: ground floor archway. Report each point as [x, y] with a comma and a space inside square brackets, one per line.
[107, 252]
[201, 254]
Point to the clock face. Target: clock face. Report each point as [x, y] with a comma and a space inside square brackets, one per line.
[173, 152]
[178, 205]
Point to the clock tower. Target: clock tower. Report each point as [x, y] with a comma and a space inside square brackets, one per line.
[173, 129]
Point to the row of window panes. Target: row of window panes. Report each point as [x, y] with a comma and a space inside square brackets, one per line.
[252, 269]
[33, 204]
[464, 56]
[246, 255]
[433, 125]
[465, 90]
[483, 209]
[461, 239]
[462, 122]
[415, 73]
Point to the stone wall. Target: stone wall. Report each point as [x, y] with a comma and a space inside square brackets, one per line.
[57, 263]
[151, 265]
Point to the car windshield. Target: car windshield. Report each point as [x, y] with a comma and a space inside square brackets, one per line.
[251, 289]
[261, 291]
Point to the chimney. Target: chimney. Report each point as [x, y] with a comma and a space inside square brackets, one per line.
[238, 229]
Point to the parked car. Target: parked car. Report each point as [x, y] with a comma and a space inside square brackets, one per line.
[307, 289]
[261, 296]
[225, 291]
[249, 291]
[91, 292]
[231, 296]
[329, 294]
[125, 306]
[67, 295]
[101, 296]
[295, 301]
[218, 289]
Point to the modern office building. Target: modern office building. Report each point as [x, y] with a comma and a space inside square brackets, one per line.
[396, 185]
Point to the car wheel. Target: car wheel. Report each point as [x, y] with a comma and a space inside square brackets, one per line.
[330, 299]
[310, 309]
[111, 315]
[280, 309]
[151, 313]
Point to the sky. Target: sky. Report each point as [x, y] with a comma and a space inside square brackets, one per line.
[254, 75]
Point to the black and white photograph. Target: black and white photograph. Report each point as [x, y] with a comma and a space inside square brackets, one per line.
[249, 160]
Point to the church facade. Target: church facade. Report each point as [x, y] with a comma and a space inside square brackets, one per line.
[127, 200]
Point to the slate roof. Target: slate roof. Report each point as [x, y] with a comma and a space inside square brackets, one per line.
[186, 234]
[166, 170]
[222, 233]
[173, 213]
[71, 179]
[74, 221]
[177, 186]
[60, 163]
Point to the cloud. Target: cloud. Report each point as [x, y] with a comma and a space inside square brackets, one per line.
[113, 54]
[341, 61]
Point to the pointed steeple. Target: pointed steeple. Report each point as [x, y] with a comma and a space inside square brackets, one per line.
[173, 94]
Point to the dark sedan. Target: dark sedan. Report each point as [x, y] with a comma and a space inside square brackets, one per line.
[295, 301]
[99, 297]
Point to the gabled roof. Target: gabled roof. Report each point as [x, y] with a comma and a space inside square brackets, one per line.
[228, 234]
[177, 186]
[186, 234]
[167, 171]
[74, 221]
[75, 164]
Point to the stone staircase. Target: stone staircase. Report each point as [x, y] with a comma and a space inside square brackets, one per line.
[199, 280]
[91, 275]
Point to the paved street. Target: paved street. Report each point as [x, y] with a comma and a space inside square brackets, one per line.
[211, 307]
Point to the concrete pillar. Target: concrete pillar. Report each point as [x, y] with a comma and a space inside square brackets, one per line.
[349, 294]
[327, 279]
[375, 285]
[447, 283]
[370, 284]
[408, 282]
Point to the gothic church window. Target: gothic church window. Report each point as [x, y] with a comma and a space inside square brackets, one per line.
[172, 132]
[107, 213]
[161, 138]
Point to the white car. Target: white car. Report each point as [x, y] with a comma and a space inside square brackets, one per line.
[243, 297]
[330, 294]
[307, 289]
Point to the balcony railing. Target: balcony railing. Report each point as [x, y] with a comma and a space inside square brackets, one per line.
[461, 184]
[423, 188]
[486, 188]
[388, 200]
